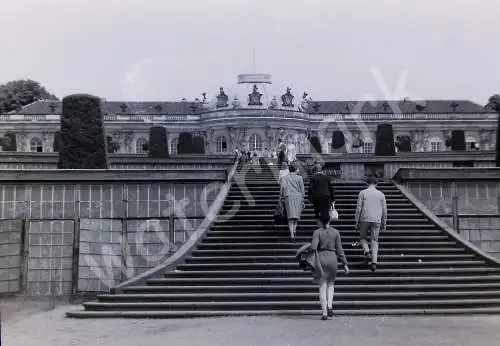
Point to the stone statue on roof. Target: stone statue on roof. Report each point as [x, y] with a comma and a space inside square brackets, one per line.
[254, 99]
[222, 99]
[287, 98]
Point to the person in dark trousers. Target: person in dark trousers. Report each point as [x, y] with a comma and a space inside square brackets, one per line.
[281, 152]
[321, 193]
[327, 244]
[370, 219]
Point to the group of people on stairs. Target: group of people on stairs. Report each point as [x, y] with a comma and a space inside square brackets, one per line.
[321, 254]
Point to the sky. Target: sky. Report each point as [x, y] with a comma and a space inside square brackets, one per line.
[163, 50]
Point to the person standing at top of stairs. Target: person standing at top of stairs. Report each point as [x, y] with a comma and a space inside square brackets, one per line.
[370, 219]
[320, 193]
[292, 192]
[281, 149]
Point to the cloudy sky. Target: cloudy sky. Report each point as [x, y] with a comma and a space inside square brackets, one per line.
[333, 49]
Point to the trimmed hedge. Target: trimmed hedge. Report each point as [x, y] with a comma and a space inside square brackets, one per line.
[198, 145]
[185, 143]
[338, 139]
[83, 143]
[403, 143]
[8, 142]
[458, 140]
[384, 141]
[158, 144]
[315, 144]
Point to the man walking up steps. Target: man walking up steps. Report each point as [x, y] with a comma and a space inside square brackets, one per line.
[370, 219]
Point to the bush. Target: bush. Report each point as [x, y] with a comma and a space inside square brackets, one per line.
[458, 140]
[111, 145]
[198, 145]
[338, 139]
[8, 142]
[82, 144]
[384, 141]
[403, 143]
[315, 144]
[157, 144]
[185, 143]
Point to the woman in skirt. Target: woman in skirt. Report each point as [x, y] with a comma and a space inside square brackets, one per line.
[328, 245]
[292, 192]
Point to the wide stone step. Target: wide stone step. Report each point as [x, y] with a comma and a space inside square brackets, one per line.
[312, 295]
[471, 278]
[344, 231]
[288, 304]
[249, 204]
[302, 238]
[353, 265]
[465, 310]
[381, 272]
[339, 288]
[348, 251]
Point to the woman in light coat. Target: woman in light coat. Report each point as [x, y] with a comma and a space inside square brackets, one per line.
[292, 193]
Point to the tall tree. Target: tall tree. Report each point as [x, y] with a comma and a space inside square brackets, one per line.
[384, 145]
[19, 93]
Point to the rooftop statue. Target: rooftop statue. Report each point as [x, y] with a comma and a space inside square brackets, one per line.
[287, 98]
[254, 99]
[222, 99]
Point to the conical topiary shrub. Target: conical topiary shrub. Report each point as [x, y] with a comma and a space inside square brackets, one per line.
[338, 140]
[8, 142]
[198, 145]
[384, 141]
[458, 140]
[157, 145]
[315, 144]
[83, 143]
[185, 143]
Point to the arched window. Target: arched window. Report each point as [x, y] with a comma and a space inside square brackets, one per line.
[436, 144]
[471, 143]
[255, 142]
[368, 145]
[139, 146]
[221, 144]
[173, 146]
[36, 145]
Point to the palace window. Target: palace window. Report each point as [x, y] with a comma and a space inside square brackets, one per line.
[255, 143]
[471, 144]
[221, 144]
[435, 146]
[36, 145]
[173, 146]
[139, 146]
[368, 146]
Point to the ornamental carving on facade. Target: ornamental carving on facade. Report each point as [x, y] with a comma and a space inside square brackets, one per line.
[222, 99]
[254, 99]
[236, 103]
[274, 103]
[420, 140]
[287, 98]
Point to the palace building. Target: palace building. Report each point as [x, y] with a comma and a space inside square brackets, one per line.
[253, 115]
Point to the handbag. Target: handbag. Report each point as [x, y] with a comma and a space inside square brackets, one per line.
[334, 215]
[280, 213]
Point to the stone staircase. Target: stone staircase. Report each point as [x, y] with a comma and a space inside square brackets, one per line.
[245, 265]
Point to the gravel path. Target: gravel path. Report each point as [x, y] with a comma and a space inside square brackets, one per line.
[44, 324]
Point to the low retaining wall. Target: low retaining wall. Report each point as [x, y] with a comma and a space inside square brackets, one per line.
[466, 198]
[62, 232]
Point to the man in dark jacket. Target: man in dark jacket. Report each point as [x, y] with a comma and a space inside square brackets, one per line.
[321, 193]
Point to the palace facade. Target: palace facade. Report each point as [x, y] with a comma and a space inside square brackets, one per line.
[253, 115]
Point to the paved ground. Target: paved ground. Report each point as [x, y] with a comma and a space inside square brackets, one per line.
[42, 323]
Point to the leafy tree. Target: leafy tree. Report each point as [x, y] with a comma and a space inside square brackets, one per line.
[198, 145]
[111, 145]
[83, 143]
[338, 139]
[19, 93]
[458, 140]
[315, 144]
